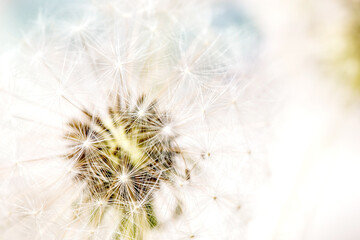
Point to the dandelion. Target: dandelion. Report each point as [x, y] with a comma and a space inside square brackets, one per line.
[132, 121]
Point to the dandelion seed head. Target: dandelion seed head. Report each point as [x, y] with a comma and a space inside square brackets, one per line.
[132, 102]
[125, 161]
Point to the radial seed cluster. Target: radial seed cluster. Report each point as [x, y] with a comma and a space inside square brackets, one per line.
[132, 120]
[123, 156]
